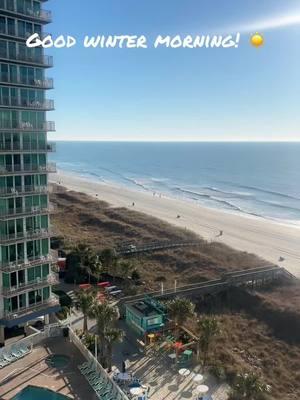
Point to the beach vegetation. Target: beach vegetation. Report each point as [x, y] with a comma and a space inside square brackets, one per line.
[179, 311]
[209, 329]
[248, 386]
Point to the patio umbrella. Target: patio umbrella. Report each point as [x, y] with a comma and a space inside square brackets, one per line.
[198, 378]
[202, 389]
[135, 391]
[184, 372]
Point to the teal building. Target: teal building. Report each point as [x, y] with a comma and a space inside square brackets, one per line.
[145, 316]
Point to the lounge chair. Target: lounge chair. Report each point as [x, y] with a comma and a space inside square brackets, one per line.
[86, 365]
[24, 349]
[89, 371]
[16, 352]
[8, 356]
[3, 363]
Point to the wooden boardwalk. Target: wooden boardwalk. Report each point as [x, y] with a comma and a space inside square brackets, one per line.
[130, 249]
[250, 277]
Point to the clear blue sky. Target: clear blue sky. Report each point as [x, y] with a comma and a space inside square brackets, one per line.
[177, 94]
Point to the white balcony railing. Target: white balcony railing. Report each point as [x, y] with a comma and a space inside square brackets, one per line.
[16, 168]
[45, 105]
[51, 302]
[28, 189]
[37, 233]
[11, 266]
[51, 279]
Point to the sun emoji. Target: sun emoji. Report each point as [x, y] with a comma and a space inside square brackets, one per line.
[257, 40]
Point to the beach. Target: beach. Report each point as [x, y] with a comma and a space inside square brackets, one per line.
[267, 239]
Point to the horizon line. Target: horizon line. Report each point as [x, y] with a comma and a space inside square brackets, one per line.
[175, 141]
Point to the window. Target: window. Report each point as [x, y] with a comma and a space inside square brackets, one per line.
[45, 270]
[4, 72]
[11, 27]
[2, 25]
[3, 49]
[21, 28]
[46, 293]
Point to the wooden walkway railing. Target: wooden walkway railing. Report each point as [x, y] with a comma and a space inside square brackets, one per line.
[131, 249]
[263, 274]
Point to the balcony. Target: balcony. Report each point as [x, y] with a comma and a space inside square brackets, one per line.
[13, 34]
[34, 83]
[47, 126]
[20, 236]
[27, 147]
[21, 312]
[42, 16]
[24, 211]
[42, 61]
[27, 168]
[51, 279]
[12, 266]
[24, 190]
[46, 105]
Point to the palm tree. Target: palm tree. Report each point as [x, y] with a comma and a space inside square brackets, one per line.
[95, 268]
[249, 387]
[86, 301]
[209, 329]
[112, 336]
[109, 260]
[88, 258]
[105, 316]
[179, 310]
[125, 268]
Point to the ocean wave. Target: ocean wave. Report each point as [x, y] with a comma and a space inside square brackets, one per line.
[267, 191]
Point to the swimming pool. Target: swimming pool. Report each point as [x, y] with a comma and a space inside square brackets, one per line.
[37, 393]
[58, 361]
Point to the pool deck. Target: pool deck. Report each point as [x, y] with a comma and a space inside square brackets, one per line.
[160, 373]
[33, 370]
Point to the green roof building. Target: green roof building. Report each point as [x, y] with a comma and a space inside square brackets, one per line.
[145, 316]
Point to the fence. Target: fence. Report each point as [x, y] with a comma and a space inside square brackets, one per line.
[98, 367]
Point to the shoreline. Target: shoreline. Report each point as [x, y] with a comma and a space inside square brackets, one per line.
[265, 238]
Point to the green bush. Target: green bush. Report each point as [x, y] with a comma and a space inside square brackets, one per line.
[63, 313]
[64, 299]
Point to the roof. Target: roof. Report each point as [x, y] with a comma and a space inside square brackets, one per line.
[144, 309]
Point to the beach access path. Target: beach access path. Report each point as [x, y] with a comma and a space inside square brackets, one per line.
[273, 241]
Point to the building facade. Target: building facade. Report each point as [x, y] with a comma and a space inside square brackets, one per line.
[25, 261]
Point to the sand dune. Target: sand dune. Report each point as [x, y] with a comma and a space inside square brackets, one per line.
[265, 238]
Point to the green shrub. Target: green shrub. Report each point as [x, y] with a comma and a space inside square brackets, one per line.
[64, 299]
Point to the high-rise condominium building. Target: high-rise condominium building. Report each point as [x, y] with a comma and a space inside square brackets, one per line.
[25, 260]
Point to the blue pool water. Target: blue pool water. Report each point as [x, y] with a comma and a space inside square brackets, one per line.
[58, 360]
[36, 393]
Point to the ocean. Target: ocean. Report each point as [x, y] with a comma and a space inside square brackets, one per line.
[258, 179]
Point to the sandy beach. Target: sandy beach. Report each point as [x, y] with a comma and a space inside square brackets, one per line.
[265, 238]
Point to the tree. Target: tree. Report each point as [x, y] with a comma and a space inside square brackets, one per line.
[109, 260]
[125, 268]
[249, 387]
[209, 329]
[179, 310]
[86, 301]
[112, 336]
[89, 261]
[95, 268]
[105, 316]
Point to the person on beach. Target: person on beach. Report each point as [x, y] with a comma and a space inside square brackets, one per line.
[133, 204]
